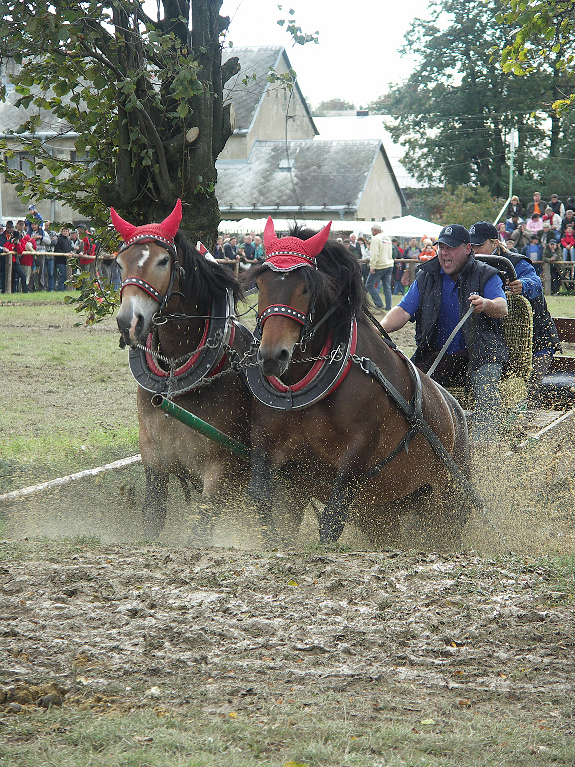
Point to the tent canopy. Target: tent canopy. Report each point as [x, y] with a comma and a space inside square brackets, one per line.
[410, 226]
[406, 226]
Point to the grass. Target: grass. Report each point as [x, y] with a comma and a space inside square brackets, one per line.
[323, 731]
[70, 395]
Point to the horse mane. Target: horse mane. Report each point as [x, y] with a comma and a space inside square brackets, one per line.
[336, 281]
[204, 279]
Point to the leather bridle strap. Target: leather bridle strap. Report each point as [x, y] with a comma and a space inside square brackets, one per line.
[281, 310]
[150, 289]
[145, 286]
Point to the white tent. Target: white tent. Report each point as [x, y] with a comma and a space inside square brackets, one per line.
[410, 226]
[284, 224]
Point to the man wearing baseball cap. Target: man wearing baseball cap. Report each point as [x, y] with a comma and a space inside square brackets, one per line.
[440, 296]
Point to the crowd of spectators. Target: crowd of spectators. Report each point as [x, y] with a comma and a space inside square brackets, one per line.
[31, 241]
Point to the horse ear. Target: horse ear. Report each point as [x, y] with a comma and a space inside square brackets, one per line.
[269, 233]
[124, 228]
[315, 244]
[172, 222]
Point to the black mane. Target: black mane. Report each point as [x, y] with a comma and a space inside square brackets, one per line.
[336, 281]
[204, 279]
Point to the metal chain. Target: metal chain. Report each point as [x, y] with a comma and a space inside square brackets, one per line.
[173, 364]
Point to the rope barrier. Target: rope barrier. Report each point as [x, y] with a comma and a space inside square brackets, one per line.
[15, 494]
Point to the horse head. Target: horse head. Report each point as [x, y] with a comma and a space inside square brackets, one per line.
[285, 295]
[148, 264]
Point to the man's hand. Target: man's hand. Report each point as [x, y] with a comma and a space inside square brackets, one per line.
[516, 287]
[495, 308]
[372, 271]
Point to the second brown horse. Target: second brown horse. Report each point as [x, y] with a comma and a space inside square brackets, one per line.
[323, 416]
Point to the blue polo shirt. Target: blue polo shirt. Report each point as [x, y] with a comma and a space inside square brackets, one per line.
[449, 310]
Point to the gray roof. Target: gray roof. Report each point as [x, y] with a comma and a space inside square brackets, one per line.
[12, 117]
[247, 96]
[327, 174]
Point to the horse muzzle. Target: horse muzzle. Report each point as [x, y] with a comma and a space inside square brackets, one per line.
[275, 361]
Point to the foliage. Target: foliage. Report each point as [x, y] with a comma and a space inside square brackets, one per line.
[129, 89]
[332, 105]
[455, 111]
[466, 205]
[97, 298]
[544, 37]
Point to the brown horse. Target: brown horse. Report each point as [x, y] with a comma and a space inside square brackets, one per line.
[342, 410]
[177, 315]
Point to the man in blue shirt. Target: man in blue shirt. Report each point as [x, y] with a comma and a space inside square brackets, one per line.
[443, 290]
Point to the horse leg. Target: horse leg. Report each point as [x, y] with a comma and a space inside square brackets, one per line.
[261, 489]
[334, 516]
[154, 511]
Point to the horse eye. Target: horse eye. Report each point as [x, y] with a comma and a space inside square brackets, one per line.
[164, 261]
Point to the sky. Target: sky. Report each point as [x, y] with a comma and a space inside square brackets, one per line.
[356, 58]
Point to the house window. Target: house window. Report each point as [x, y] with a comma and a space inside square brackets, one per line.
[75, 157]
[22, 161]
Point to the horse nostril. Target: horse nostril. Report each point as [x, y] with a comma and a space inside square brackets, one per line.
[283, 357]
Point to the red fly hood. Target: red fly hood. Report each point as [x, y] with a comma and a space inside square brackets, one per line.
[289, 253]
[164, 232]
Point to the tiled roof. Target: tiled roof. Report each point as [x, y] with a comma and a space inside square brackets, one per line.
[326, 173]
[246, 97]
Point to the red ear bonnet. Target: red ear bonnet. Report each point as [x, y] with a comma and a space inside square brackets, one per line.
[164, 232]
[287, 253]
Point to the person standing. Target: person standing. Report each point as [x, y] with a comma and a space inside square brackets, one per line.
[364, 258]
[444, 289]
[533, 252]
[551, 255]
[259, 250]
[380, 267]
[63, 245]
[398, 268]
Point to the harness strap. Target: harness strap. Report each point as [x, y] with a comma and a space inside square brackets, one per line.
[414, 416]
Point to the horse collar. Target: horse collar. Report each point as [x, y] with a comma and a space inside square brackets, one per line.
[325, 376]
[204, 363]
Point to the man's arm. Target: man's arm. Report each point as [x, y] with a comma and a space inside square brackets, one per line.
[395, 319]
[496, 308]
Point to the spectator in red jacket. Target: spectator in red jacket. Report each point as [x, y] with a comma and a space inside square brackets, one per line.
[568, 244]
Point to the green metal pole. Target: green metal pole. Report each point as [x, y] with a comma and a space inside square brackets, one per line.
[514, 136]
[158, 400]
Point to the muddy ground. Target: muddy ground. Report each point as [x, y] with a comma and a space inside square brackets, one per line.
[445, 647]
[457, 648]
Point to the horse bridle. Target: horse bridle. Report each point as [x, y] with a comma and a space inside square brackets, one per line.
[305, 320]
[176, 272]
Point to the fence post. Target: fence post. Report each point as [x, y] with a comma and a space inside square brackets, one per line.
[547, 278]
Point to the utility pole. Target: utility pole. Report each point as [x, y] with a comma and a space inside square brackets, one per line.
[514, 140]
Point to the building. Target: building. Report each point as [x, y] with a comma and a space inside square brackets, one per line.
[276, 164]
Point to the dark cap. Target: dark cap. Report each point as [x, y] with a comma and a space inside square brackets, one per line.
[454, 235]
[481, 231]
[554, 195]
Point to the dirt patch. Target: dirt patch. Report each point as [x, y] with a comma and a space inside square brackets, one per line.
[434, 643]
